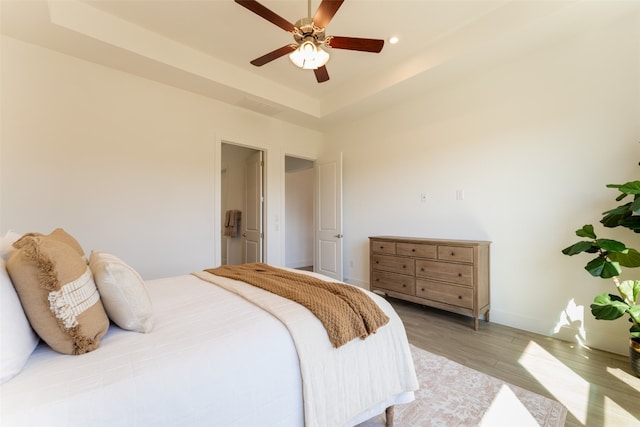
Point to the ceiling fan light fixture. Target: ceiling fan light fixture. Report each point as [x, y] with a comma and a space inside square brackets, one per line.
[309, 56]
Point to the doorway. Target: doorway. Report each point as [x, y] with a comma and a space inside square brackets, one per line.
[241, 204]
[299, 213]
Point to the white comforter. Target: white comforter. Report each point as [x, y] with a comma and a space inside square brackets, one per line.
[213, 359]
[340, 385]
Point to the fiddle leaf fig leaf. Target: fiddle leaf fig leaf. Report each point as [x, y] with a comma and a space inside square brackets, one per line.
[635, 205]
[611, 245]
[611, 220]
[586, 231]
[608, 307]
[634, 313]
[577, 248]
[635, 327]
[630, 258]
[620, 210]
[632, 187]
[600, 267]
[629, 291]
[631, 222]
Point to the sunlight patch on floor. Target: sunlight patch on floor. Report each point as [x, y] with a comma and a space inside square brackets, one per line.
[624, 377]
[566, 386]
[611, 407]
[505, 408]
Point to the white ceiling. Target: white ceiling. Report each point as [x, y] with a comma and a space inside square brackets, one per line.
[205, 45]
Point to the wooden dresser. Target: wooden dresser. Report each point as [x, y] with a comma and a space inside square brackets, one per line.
[451, 275]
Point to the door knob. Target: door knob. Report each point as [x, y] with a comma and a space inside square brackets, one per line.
[339, 236]
[244, 234]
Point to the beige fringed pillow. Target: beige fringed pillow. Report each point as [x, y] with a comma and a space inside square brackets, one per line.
[64, 237]
[57, 292]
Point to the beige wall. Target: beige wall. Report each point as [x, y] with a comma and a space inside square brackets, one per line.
[532, 143]
[125, 164]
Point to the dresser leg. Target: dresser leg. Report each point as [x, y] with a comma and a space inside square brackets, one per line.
[486, 316]
[475, 323]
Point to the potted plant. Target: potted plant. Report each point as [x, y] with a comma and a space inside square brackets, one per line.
[609, 258]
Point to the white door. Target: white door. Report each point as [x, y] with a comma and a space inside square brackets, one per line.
[328, 235]
[254, 199]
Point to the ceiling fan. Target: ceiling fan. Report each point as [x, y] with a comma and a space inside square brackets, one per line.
[309, 36]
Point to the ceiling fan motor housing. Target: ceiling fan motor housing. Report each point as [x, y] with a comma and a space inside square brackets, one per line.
[306, 29]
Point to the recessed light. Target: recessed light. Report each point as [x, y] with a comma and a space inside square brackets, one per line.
[393, 40]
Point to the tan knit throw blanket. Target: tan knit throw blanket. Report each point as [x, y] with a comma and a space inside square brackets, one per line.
[345, 311]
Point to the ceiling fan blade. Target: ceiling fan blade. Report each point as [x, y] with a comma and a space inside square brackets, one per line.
[267, 14]
[325, 12]
[258, 62]
[322, 75]
[355, 43]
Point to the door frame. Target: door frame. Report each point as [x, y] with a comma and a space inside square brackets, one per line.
[217, 194]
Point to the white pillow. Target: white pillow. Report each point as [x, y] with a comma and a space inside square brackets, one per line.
[17, 339]
[122, 291]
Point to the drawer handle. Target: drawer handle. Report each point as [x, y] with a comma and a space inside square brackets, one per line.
[459, 274]
[381, 247]
[413, 250]
[377, 280]
[459, 296]
[377, 262]
[422, 289]
[453, 254]
[422, 269]
[404, 266]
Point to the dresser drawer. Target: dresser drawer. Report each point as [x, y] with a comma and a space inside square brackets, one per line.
[455, 253]
[446, 271]
[393, 264]
[382, 247]
[459, 296]
[393, 282]
[417, 250]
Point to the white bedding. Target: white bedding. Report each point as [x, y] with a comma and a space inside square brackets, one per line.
[339, 385]
[198, 367]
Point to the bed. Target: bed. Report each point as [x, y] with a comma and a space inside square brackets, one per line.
[215, 357]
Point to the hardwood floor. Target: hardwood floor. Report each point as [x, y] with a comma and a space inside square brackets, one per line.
[597, 387]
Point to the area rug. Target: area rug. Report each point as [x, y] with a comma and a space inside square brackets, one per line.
[452, 395]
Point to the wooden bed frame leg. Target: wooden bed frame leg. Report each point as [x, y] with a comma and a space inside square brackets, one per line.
[389, 415]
